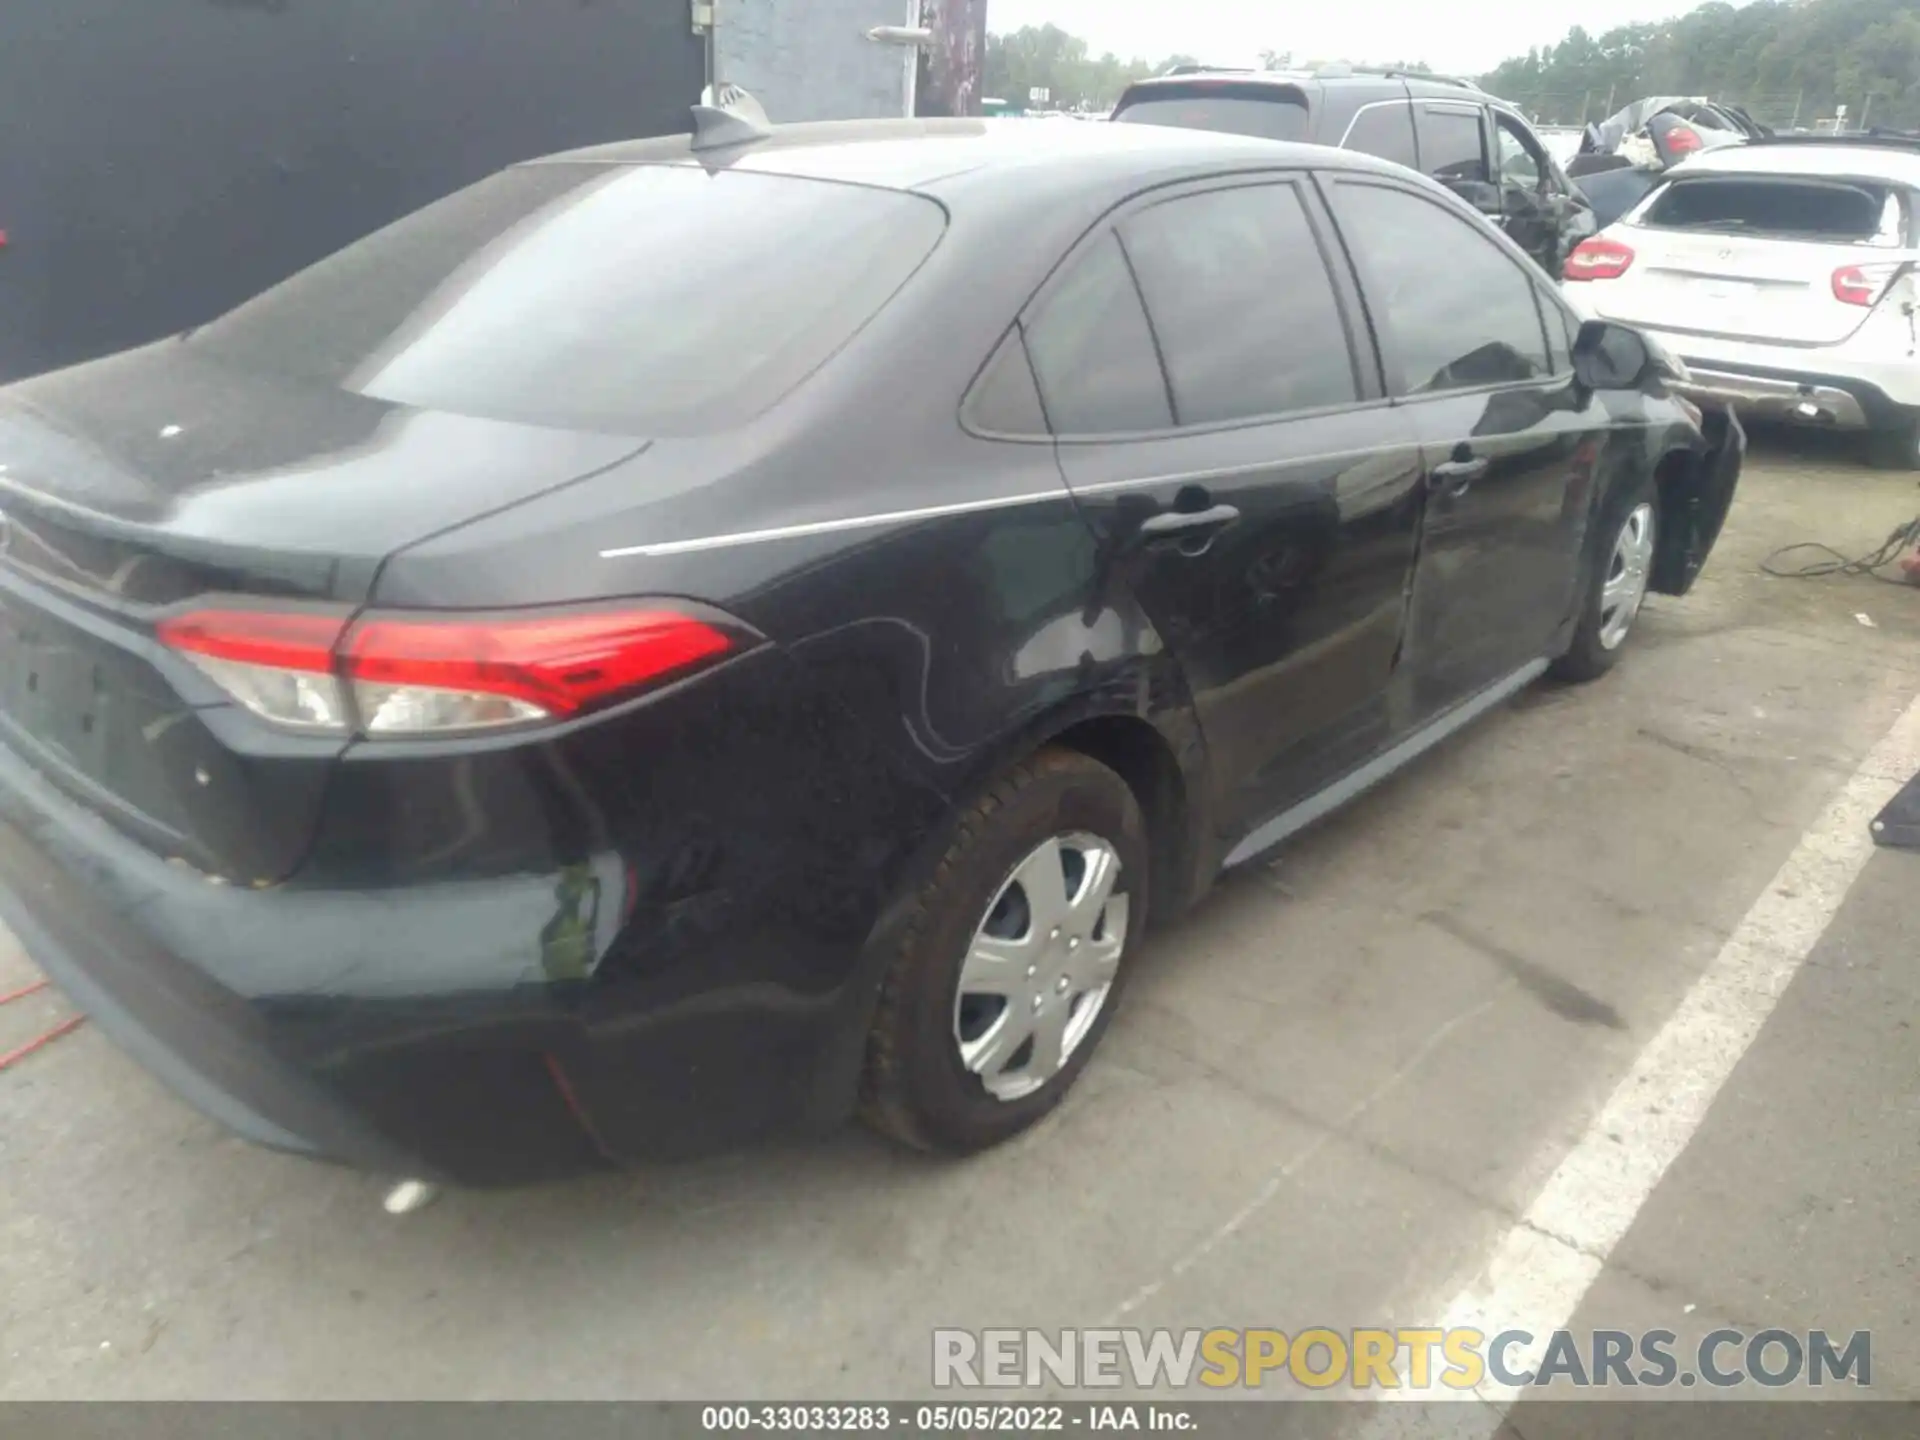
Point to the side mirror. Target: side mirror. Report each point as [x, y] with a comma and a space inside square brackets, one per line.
[1483, 196]
[1607, 356]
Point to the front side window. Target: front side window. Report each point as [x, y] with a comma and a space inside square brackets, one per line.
[1460, 311]
[1242, 305]
[1451, 145]
[1093, 353]
[1520, 167]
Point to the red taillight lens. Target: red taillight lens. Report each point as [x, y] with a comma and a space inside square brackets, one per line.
[277, 663]
[435, 675]
[280, 639]
[1683, 140]
[1598, 259]
[1854, 286]
[510, 670]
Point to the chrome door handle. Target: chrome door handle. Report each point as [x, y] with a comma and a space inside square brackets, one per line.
[1186, 524]
[1452, 477]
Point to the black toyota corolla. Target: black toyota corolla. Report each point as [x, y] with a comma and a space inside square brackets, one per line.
[673, 644]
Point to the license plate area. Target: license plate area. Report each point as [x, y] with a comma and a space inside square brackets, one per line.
[83, 703]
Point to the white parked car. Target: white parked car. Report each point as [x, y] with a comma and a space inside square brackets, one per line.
[1783, 273]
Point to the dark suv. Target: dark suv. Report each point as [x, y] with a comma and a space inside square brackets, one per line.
[1478, 146]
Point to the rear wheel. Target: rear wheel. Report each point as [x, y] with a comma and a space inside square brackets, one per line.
[1897, 447]
[1623, 565]
[1013, 959]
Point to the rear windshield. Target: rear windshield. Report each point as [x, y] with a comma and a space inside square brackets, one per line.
[645, 300]
[1843, 211]
[1268, 111]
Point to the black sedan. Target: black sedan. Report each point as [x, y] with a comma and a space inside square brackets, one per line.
[672, 644]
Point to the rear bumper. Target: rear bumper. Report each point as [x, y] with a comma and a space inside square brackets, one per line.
[409, 1033]
[1804, 400]
[1821, 387]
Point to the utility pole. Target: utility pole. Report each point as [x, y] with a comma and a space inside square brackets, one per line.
[1798, 101]
[1609, 110]
[1866, 110]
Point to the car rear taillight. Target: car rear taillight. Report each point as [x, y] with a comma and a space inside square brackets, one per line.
[1598, 259]
[1863, 284]
[1683, 140]
[424, 674]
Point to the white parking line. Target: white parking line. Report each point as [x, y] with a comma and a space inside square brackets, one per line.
[1540, 1270]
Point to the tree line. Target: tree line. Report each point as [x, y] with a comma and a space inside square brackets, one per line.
[1045, 57]
[1789, 61]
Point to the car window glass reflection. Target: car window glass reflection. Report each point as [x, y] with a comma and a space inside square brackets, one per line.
[645, 299]
[1242, 305]
[1461, 313]
[1093, 354]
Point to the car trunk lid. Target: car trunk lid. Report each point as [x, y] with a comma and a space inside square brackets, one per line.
[1757, 258]
[142, 484]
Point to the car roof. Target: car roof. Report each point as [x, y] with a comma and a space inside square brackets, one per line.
[1895, 163]
[921, 154]
[1418, 83]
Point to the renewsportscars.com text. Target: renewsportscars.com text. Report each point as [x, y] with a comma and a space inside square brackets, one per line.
[1321, 1358]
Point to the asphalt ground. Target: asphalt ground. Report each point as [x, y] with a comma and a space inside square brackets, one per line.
[1335, 1093]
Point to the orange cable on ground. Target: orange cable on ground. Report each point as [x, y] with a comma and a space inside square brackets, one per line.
[40, 1042]
[25, 990]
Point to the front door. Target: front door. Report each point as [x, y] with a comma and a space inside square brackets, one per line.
[1508, 438]
[1533, 212]
[1242, 471]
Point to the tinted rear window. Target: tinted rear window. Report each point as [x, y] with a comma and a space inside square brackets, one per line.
[1271, 112]
[634, 300]
[1782, 209]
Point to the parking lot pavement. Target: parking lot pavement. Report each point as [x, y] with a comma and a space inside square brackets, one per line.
[1332, 1092]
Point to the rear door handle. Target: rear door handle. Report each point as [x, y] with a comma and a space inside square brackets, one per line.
[1452, 477]
[1187, 524]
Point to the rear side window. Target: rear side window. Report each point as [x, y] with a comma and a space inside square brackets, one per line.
[1452, 146]
[1005, 401]
[647, 299]
[1460, 311]
[1272, 112]
[1241, 304]
[1093, 352]
[1385, 130]
[1797, 209]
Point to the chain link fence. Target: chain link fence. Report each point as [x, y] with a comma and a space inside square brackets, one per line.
[1781, 111]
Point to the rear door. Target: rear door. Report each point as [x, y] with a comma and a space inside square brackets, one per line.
[1222, 426]
[1778, 259]
[1384, 128]
[1509, 441]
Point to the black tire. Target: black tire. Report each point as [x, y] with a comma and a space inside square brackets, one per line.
[1588, 657]
[1895, 448]
[916, 1088]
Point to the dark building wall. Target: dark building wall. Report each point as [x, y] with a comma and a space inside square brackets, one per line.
[811, 59]
[162, 160]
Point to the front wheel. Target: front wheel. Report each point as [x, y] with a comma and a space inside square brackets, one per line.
[1013, 960]
[1627, 535]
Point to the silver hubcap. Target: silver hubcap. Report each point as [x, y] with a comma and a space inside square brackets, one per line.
[1627, 576]
[1041, 965]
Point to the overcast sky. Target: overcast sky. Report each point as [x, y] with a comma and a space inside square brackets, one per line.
[1225, 32]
